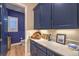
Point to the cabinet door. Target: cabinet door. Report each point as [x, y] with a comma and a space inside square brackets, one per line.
[65, 15]
[33, 50]
[41, 47]
[50, 53]
[45, 19]
[40, 53]
[78, 14]
[37, 17]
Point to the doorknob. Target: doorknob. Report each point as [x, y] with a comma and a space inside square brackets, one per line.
[0, 39]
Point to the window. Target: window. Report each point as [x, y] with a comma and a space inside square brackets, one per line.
[12, 24]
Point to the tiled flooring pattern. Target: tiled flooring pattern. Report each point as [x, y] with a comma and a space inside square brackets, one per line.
[17, 50]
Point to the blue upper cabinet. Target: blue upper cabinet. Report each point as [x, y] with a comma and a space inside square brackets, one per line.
[42, 14]
[56, 16]
[78, 14]
[37, 17]
[45, 19]
[65, 15]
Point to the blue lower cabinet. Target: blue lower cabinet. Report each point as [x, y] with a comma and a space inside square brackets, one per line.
[42, 48]
[39, 50]
[36, 49]
[50, 53]
[33, 50]
[41, 53]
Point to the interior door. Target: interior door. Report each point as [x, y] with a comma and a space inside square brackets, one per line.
[0, 29]
[4, 20]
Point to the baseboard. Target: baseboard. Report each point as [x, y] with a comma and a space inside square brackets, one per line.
[16, 44]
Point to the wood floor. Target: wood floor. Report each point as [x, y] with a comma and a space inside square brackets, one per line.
[17, 50]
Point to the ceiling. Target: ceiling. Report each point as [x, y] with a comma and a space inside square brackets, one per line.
[15, 7]
[21, 6]
[30, 5]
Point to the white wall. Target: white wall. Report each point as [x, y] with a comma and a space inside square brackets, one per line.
[29, 25]
[30, 16]
[72, 35]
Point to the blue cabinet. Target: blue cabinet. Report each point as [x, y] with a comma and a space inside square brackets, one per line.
[56, 16]
[42, 16]
[65, 15]
[52, 53]
[37, 18]
[33, 48]
[38, 50]
[41, 53]
[4, 19]
[45, 19]
[78, 14]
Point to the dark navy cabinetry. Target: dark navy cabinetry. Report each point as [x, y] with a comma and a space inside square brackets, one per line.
[37, 18]
[42, 16]
[65, 15]
[57, 16]
[36, 49]
[45, 19]
[78, 14]
[39, 50]
[52, 53]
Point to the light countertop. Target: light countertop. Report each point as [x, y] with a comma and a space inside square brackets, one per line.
[58, 48]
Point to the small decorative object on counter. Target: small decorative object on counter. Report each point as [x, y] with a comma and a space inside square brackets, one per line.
[49, 37]
[36, 35]
[61, 38]
[71, 45]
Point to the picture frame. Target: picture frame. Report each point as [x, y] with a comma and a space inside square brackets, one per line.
[61, 38]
